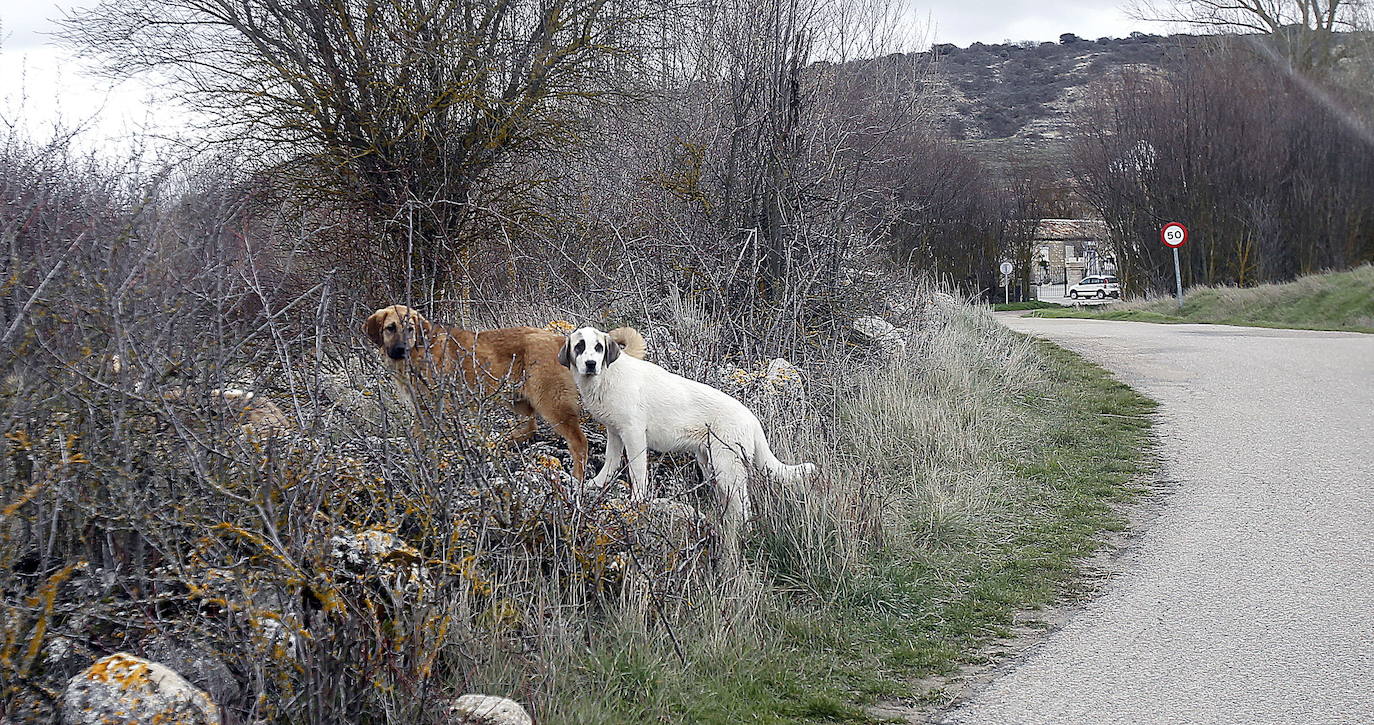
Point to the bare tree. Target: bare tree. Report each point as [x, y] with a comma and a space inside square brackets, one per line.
[1271, 181]
[954, 217]
[741, 184]
[402, 109]
[1302, 32]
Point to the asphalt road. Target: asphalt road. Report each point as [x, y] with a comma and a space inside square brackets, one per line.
[1250, 599]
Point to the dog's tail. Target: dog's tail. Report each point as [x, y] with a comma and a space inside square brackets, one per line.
[766, 461]
[630, 341]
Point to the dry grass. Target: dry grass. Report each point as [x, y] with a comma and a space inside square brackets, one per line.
[957, 491]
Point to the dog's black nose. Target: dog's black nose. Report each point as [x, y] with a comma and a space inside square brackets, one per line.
[591, 366]
[396, 353]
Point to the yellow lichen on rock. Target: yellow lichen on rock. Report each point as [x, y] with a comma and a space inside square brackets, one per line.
[125, 689]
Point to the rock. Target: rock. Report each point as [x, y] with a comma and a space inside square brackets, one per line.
[63, 657]
[271, 633]
[763, 381]
[365, 548]
[872, 328]
[937, 310]
[782, 376]
[373, 555]
[897, 307]
[944, 299]
[877, 332]
[486, 710]
[668, 539]
[122, 689]
[256, 413]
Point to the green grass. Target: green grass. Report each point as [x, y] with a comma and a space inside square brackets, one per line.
[1327, 301]
[1027, 492]
[1029, 305]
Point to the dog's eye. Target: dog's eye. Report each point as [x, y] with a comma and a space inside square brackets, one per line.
[579, 347]
[598, 347]
[391, 327]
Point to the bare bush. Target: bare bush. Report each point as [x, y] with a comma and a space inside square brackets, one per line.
[394, 120]
[337, 565]
[957, 219]
[207, 466]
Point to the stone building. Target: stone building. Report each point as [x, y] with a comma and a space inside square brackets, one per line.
[1067, 250]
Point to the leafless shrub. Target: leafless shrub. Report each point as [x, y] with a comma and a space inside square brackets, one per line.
[337, 564]
[329, 562]
[396, 118]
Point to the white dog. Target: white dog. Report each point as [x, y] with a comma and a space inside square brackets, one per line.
[644, 406]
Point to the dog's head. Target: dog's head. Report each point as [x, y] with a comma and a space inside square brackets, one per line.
[396, 330]
[588, 351]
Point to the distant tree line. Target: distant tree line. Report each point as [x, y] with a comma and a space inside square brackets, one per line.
[959, 218]
[1272, 170]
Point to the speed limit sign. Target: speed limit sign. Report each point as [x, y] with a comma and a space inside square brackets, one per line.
[1173, 235]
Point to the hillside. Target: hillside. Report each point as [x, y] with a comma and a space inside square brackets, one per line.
[1027, 89]
[1017, 99]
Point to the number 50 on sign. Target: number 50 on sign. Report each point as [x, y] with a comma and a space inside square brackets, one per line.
[1173, 235]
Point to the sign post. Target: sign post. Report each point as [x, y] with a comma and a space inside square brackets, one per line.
[1173, 235]
[1006, 281]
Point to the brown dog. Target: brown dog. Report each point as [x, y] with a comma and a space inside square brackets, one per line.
[423, 355]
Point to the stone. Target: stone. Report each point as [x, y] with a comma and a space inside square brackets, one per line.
[486, 710]
[680, 523]
[63, 657]
[122, 689]
[668, 538]
[782, 376]
[879, 333]
[376, 555]
[937, 310]
[255, 412]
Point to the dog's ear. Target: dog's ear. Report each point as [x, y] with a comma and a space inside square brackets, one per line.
[612, 350]
[422, 323]
[372, 327]
[565, 354]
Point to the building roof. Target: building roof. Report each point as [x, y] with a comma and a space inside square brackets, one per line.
[1070, 229]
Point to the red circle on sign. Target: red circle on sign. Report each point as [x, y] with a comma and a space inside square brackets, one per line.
[1173, 235]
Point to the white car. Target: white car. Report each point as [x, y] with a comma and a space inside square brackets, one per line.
[1099, 287]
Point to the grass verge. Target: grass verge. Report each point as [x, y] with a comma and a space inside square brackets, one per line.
[1327, 301]
[1000, 466]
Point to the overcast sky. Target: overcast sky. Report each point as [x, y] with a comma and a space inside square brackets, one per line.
[998, 21]
[42, 85]
[40, 82]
